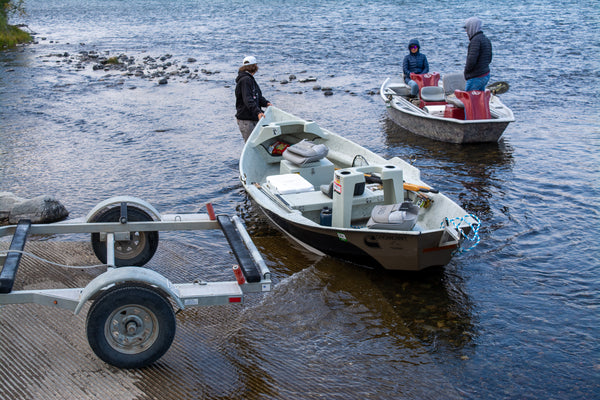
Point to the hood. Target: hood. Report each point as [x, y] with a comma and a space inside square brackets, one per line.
[472, 26]
[241, 75]
[414, 42]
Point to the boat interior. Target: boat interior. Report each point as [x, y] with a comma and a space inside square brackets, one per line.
[346, 190]
[446, 100]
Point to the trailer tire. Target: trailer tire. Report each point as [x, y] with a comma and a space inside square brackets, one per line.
[134, 252]
[130, 326]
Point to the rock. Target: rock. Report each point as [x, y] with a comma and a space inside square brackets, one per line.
[40, 209]
[163, 81]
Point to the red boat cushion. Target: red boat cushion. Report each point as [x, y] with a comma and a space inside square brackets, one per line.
[429, 79]
[477, 103]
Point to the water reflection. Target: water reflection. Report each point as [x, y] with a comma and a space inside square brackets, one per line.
[430, 306]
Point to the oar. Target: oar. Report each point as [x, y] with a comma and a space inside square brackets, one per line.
[418, 188]
[407, 186]
[498, 87]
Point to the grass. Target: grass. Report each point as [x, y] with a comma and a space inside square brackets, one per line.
[113, 60]
[10, 35]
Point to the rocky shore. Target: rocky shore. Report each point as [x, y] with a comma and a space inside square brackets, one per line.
[165, 68]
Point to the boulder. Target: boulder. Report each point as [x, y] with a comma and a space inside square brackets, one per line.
[40, 210]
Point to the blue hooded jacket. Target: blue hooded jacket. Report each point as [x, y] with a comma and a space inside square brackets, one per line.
[416, 63]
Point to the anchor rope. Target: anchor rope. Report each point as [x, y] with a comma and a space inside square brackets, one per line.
[472, 237]
[25, 253]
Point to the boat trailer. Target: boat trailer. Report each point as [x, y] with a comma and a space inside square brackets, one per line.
[131, 322]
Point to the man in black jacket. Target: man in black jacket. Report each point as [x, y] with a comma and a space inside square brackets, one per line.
[248, 98]
[479, 56]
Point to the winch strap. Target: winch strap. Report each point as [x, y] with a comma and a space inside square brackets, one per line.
[242, 254]
[11, 263]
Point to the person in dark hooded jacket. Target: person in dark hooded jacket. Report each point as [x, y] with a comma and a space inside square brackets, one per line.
[248, 98]
[479, 56]
[416, 62]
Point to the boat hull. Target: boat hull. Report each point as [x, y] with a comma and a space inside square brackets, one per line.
[447, 130]
[391, 251]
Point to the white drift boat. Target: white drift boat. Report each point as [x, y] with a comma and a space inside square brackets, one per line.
[335, 197]
[438, 114]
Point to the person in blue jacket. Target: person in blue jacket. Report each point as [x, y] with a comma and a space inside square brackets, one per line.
[248, 98]
[479, 56]
[416, 62]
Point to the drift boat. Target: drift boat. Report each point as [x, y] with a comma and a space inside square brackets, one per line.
[337, 198]
[445, 112]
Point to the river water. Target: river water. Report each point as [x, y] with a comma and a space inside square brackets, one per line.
[518, 317]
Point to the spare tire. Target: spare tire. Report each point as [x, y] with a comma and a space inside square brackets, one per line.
[136, 251]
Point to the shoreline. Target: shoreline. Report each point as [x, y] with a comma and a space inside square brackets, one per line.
[12, 35]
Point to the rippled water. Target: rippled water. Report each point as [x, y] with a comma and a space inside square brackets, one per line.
[517, 317]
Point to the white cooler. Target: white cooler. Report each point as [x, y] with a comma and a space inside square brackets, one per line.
[288, 183]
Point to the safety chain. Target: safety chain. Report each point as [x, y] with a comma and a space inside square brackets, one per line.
[473, 236]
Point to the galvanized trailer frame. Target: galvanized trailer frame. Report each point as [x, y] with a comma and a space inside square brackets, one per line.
[137, 322]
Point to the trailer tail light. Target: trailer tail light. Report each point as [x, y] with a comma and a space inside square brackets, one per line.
[235, 299]
[239, 275]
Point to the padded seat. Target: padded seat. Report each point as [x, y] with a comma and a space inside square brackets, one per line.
[452, 82]
[305, 152]
[400, 217]
[451, 99]
[432, 94]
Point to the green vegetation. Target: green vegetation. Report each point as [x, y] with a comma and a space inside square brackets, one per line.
[10, 35]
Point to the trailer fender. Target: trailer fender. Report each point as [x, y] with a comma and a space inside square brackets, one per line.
[122, 199]
[124, 275]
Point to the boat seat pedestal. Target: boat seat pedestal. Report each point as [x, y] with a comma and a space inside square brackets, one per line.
[345, 181]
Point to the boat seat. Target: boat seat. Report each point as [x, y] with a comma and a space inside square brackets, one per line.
[451, 99]
[432, 94]
[452, 82]
[428, 79]
[305, 152]
[477, 103]
[400, 217]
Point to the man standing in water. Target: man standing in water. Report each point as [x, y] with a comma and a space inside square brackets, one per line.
[248, 98]
[479, 56]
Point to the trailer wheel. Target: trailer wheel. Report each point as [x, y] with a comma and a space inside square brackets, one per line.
[130, 326]
[140, 247]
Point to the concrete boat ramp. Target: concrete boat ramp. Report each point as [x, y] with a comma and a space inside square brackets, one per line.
[44, 352]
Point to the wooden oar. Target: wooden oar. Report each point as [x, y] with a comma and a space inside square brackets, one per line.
[407, 186]
[418, 188]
